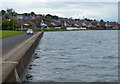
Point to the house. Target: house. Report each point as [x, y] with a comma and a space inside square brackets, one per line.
[36, 21]
[57, 22]
[108, 24]
[84, 24]
[95, 24]
[88, 24]
[52, 23]
[102, 24]
[76, 25]
[69, 23]
[111, 25]
[83, 28]
[63, 23]
[44, 25]
[114, 25]
[80, 24]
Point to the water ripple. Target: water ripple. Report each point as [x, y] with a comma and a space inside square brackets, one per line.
[81, 56]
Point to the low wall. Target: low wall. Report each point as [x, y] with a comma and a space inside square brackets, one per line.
[14, 66]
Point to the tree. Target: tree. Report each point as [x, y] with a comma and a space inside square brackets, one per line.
[48, 15]
[5, 25]
[101, 20]
[73, 25]
[55, 17]
[33, 14]
[86, 19]
[95, 20]
[9, 13]
[25, 14]
[46, 19]
[9, 25]
[3, 12]
[39, 26]
[77, 19]
[14, 13]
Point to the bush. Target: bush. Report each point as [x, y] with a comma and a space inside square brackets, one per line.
[95, 28]
[63, 28]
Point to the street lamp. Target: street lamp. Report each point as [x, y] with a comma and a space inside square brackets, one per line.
[21, 22]
[13, 24]
[13, 16]
[8, 21]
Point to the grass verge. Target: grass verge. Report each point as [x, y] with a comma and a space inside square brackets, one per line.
[9, 33]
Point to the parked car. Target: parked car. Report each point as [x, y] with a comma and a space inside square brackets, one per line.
[29, 32]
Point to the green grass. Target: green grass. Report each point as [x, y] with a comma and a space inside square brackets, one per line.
[9, 33]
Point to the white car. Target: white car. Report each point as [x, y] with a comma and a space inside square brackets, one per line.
[29, 31]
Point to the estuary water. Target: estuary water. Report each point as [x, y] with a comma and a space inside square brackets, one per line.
[76, 56]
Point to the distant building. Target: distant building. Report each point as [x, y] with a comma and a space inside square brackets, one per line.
[57, 27]
[53, 23]
[65, 24]
[83, 28]
[43, 25]
[83, 24]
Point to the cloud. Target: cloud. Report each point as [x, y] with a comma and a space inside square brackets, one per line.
[105, 11]
[97, 10]
[59, 1]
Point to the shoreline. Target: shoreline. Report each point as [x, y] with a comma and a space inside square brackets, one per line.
[80, 30]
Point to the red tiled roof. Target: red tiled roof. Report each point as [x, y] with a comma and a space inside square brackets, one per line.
[36, 21]
[102, 23]
[113, 24]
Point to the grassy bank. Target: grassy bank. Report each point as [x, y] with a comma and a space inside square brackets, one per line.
[9, 33]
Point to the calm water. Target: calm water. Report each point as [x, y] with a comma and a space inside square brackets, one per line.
[76, 56]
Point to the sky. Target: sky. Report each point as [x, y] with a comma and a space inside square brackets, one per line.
[92, 9]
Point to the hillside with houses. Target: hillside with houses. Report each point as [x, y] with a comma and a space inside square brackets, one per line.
[11, 19]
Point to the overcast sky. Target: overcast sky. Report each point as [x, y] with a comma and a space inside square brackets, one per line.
[94, 9]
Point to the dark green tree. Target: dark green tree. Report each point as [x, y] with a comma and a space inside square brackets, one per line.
[33, 14]
[3, 12]
[9, 25]
[101, 20]
[86, 19]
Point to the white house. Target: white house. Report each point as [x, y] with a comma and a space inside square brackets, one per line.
[89, 25]
[82, 28]
[44, 25]
[98, 24]
[83, 24]
[77, 25]
[65, 24]
[53, 23]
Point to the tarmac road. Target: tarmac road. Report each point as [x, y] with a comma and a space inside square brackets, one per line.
[10, 42]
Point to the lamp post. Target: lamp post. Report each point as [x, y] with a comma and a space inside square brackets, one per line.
[13, 21]
[21, 22]
[13, 16]
[8, 21]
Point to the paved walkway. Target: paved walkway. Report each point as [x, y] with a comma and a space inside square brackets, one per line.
[10, 42]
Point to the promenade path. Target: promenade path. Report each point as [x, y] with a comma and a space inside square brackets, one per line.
[10, 45]
[7, 44]
[10, 42]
